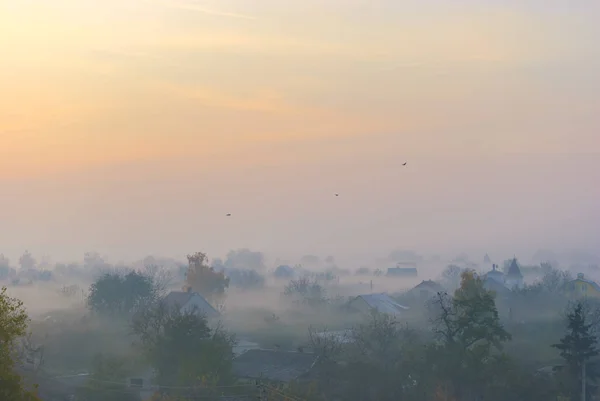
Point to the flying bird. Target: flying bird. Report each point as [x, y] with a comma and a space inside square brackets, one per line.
[228, 214]
[337, 194]
[404, 164]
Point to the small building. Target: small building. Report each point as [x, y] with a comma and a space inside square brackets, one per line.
[582, 287]
[426, 290]
[514, 278]
[495, 275]
[273, 365]
[403, 270]
[189, 301]
[498, 288]
[382, 303]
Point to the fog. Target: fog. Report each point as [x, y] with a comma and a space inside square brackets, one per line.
[514, 204]
[306, 201]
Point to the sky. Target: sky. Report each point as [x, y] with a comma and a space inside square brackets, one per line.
[131, 127]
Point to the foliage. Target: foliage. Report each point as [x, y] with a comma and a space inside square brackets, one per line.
[244, 259]
[469, 335]
[27, 261]
[115, 294]
[182, 348]
[92, 260]
[245, 279]
[204, 279]
[306, 291]
[450, 277]
[284, 271]
[13, 325]
[107, 381]
[579, 344]
[5, 269]
[470, 317]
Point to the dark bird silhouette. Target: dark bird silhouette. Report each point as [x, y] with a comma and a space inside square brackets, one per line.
[337, 194]
[228, 214]
[404, 164]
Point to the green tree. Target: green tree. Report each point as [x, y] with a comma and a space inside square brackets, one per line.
[114, 293]
[204, 279]
[578, 346]
[183, 349]
[469, 338]
[13, 325]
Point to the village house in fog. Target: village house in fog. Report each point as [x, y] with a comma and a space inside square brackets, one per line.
[407, 269]
[189, 301]
[583, 287]
[425, 290]
[381, 303]
[514, 277]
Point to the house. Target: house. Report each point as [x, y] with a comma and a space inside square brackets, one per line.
[495, 275]
[514, 278]
[425, 290]
[500, 289]
[382, 303]
[403, 270]
[582, 287]
[273, 365]
[188, 301]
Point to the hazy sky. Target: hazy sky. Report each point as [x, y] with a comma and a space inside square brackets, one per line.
[132, 126]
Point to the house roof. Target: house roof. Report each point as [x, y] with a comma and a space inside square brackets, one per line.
[513, 270]
[180, 298]
[401, 271]
[282, 366]
[431, 285]
[491, 284]
[495, 273]
[382, 303]
[580, 277]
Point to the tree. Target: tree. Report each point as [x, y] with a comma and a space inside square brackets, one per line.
[93, 260]
[4, 267]
[469, 335]
[183, 349]
[245, 278]
[13, 325]
[114, 293]
[245, 259]
[451, 276]
[306, 291]
[579, 345]
[204, 279]
[27, 261]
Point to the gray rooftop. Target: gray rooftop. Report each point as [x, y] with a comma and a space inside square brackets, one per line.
[180, 298]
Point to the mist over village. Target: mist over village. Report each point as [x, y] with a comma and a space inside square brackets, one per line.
[316, 200]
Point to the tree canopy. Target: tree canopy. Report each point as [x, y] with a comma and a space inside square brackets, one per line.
[204, 279]
[182, 348]
[13, 325]
[114, 293]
